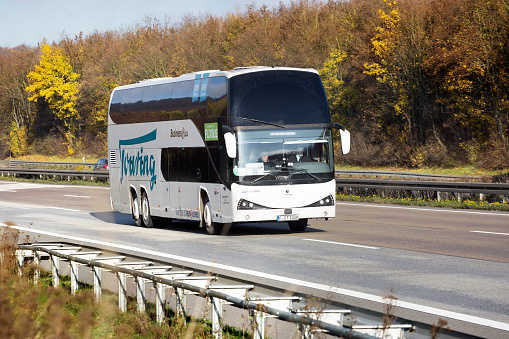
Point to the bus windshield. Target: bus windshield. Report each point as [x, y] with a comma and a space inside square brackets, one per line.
[279, 97]
[277, 156]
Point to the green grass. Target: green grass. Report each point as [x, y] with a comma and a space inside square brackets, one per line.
[461, 170]
[465, 204]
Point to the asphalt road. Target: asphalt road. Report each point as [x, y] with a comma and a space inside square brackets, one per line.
[431, 257]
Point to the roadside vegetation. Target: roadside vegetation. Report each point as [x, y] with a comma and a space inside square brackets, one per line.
[464, 204]
[29, 310]
[419, 83]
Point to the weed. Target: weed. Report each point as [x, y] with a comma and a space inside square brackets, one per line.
[388, 317]
[436, 329]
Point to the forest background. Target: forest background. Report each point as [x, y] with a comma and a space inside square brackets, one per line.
[419, 83]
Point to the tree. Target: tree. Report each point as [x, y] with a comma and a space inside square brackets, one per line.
[55, 82]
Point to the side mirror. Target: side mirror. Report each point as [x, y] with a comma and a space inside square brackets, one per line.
[230, 142]
[345, 137]
[345, 141]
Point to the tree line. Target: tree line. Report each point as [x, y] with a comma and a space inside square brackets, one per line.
[418, 82]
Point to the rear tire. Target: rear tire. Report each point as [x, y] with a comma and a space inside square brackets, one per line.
[145, 211]
[135, 210]
[299, 225]
[213, 228]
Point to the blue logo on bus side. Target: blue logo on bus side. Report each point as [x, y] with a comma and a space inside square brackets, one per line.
[138, 163]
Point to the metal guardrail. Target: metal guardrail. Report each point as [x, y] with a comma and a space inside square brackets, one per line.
[216, 295]
[404, 185]
[413, 185]
[15, 163]
[54, 173]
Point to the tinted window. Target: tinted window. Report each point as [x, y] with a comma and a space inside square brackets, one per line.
[181, 99]
[217, 97]
[279, 97]
[163, 104]
[115, 104]
[136, 100]
[149, 99]
[198, 106]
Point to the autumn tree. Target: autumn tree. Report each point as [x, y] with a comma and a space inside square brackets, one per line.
[16, 109]
[55, 82]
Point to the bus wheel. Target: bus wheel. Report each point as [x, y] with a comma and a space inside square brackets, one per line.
[213, 228]
[299, 225]
[136, 210]
[145, 211]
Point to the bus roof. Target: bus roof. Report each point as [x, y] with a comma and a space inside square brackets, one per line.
[214, 73]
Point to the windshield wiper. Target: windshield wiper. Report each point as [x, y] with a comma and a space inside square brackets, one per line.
[306, 172]
[263, 177]
[261, 122]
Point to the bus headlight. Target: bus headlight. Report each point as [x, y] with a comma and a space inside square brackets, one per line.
[327, 201]
[248, 205]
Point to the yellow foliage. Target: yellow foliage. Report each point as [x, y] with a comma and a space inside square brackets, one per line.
[18, 143]
[55, 82]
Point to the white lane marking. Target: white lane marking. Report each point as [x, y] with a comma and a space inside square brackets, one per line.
[331, 289]
[424, 209]
[61, 209]
[489, 232]
[76, 196]
[2, 190]
[343, 244]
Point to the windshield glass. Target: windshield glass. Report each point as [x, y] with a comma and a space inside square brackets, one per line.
[279, 97]
[276, 156]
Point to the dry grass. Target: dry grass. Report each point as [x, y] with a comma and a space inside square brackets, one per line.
[42, 311]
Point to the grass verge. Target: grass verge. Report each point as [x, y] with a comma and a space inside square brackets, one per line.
[465, 204]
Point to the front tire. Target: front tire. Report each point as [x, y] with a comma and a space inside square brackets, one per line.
[299, 225]
[145, 211]
[213, 228]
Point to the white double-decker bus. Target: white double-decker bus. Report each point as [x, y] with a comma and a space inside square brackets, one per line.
[221, 147]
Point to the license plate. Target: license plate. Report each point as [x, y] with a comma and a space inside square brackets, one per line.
[287, 217]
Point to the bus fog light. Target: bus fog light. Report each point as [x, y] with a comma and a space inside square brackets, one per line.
[247, 217]
[325, 213]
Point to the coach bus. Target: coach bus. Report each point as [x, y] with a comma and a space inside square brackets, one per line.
[220, 147]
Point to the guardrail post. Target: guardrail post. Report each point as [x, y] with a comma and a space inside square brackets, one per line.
[259, 330]
[97, 272]
[181, 303]
[74, 277]
[122, 293]
[37, 272]
[55, 269]
[140, 294]
[217, 311]
[160, 298]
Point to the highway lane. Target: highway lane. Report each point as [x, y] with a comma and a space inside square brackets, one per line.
[427, 256]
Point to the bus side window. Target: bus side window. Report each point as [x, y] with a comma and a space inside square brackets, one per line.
[115, 105]
[165, 163]
[181, 98]
[163, 104]
[148, 104]
[217, 97]
[198, 106]
[136, 100]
